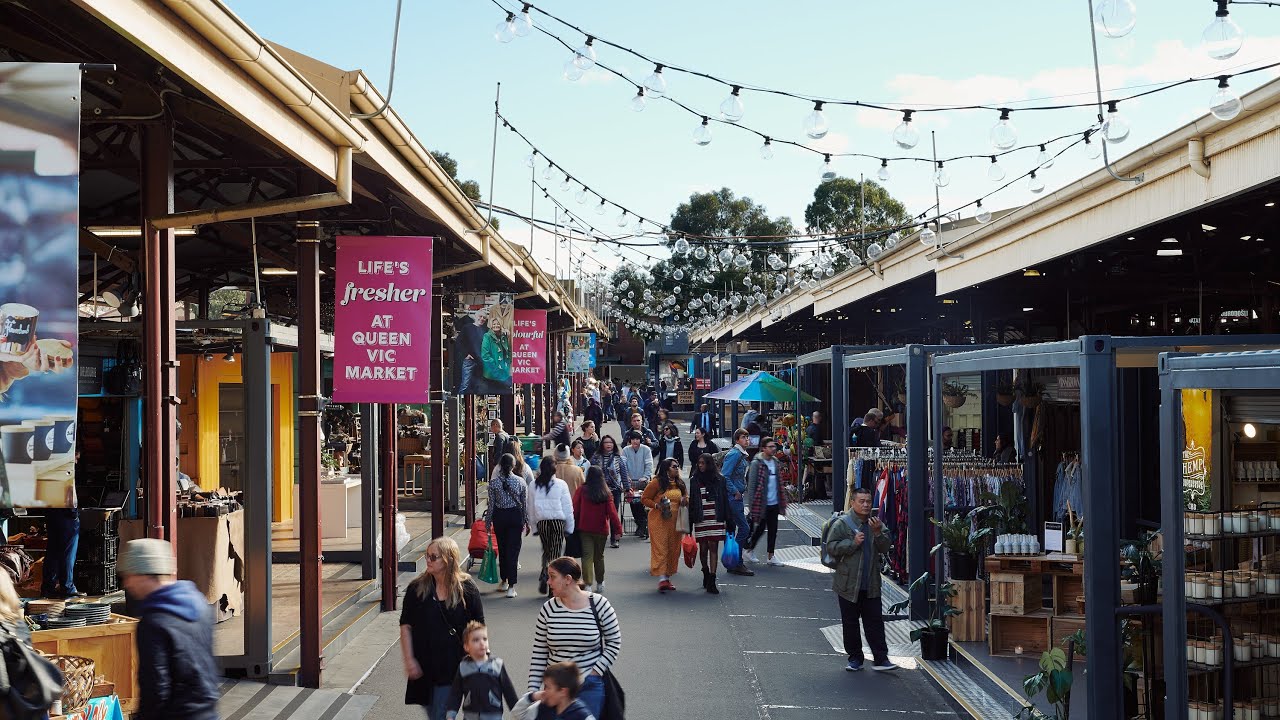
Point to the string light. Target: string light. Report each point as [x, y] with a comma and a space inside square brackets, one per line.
[1115, 18]
[1223, 38]
[828, 173]
[1092, 150]
[638, 102]
[1225, 104]
[656, 84]
[995, 173]
[1115, 129]
[702, 133]
[600, 207]
[928, 237]
[505, 31]
[1035, 184]
[983, 215]
[905, 135]
[766, 149]
[1044, 160]
[585, 56]
[941, 177]
[524, 24]
[581, 195]
[1003, 134]
[565, 184]
[572, 72]
[883, 172]
[622, 219]
[731, 110]
[815, 123]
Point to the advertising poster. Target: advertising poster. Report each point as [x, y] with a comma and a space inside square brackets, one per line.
[1197, 456]
[582, 352]
[39, 283]
[529, 354]
[382, 320]
[483, 325]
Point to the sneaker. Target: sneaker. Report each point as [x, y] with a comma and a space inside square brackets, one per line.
[600, 587]
[614, 543]
[503, 586]
[590, 588]
[883, 665]
[750, 556]
[742, 570]
[511, 592]
[774, 562]
[853, 666]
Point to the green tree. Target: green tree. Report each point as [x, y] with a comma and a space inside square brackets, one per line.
[844, 206]
[470, 188]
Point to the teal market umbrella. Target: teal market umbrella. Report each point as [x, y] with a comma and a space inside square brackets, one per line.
[760, 387]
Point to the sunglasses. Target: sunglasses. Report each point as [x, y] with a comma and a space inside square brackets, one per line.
[432, 557]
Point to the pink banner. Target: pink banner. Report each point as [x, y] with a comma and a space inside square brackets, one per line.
[382, 320]
[529, 355]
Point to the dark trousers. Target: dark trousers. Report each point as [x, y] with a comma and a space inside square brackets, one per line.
[617, 505]
[641, 514]
[870, 612]
[60, 558]
[508, 525]
[768, 522]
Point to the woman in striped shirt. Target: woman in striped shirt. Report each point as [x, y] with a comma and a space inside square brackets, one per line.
[507, 515]
[575, 626]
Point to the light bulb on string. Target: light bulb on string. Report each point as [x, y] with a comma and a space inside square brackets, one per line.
[892, 241]
[681, 247]
[531, 159]
[505, 31]
[585, 56]
[546, 171]
[766, 149]
[1003, 134]
[883, 172]
[702, 133]
[995, 173]
[566, 184]
[983, 215]
[656, 84]
[572, 72]
[1092, 150]
[1225, 104]
[639, 101]
[1223, 38]
[906, 135]
[706, 297]
[600, 208]
[581, 195]
[1115, 18]
[725, 257]
[677, 274]
[1115, 129]
[827, 173]
[700, 253]
[675, 290]
[874, 251]
[741, 261]
[731, 110]
[815, 123]
[524, 22]
[928, 236]
[1035, 184]
[941, 177]
[1044, 160]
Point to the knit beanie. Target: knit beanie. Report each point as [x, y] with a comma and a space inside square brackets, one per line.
[148, 556]
[562, 452]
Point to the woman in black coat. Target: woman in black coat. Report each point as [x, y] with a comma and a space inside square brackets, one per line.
[709, 515]
[669, 446]
[701, 444]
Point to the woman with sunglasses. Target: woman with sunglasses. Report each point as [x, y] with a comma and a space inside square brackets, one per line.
[438, 604]
[663, 496]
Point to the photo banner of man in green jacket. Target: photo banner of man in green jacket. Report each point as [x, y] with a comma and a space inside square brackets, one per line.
[482, 333]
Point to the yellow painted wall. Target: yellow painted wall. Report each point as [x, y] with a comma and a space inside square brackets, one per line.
[212, 373]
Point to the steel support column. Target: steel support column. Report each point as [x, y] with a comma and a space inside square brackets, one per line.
[1102, 590]
[839, 432]
[369, 477]
[255, 368]
[390, 558]
[309, 532]
[920, 401]
[470, 442]
[160, 361]
[1174, 567]
[990, 412]
[732, 375]
[438, 416]
[455, 471]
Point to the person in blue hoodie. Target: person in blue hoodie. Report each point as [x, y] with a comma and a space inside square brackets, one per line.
[176, 670]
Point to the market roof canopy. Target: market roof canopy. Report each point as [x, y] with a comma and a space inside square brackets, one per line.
[760, 387]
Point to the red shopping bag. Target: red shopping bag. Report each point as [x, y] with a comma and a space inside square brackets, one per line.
[690, 548]
[479, 540]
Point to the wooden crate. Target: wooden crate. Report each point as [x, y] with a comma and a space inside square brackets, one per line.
[1016, 594]
[1064, 627]
[111, 648]
[1068, 595]
[1030, 632]
[971, 600]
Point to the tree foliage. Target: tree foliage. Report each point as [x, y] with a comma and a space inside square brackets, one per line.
[470, 188]
[847, 206]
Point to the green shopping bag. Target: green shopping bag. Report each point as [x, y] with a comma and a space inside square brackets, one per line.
[489, 567]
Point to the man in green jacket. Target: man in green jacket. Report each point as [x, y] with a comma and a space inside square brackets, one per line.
[858, 544]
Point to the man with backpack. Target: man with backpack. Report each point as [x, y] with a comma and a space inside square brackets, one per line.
[734, 469]
[853, 544]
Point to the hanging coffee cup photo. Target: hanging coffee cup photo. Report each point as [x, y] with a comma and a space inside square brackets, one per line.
[17, 328]
[17, 444]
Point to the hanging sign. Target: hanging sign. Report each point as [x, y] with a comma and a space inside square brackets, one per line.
[39, 282]
[1197, 455]
[582, 352]
[702, 383]
[529, 354]
[482, 334]
[382, 320]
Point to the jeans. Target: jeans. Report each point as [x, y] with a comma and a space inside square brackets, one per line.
[438, 708]
[768, 522]
[60, 560]
[592, 694]
[870, 612]
[592, 557]
[742, 529]
[508, 524]
[469, 366]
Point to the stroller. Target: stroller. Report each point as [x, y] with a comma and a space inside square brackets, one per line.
[638, 511]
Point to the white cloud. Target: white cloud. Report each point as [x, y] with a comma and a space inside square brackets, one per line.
[832, 142]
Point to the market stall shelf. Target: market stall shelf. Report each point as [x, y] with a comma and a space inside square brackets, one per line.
[110, 646]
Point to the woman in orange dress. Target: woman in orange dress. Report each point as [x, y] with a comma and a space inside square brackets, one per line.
[663, 496]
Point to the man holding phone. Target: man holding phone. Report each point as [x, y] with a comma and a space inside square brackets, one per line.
[858, 543]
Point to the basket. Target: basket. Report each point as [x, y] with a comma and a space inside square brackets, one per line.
[1004, 399]
[77, 681]
[954, 401]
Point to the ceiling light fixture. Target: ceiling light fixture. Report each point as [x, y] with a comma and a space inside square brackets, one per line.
[1030, 272]
[1169, 252]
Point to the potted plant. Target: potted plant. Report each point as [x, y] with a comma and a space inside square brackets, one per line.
[954, 394]
[963, 545]
[1004, 394]
[933, 635]
[1074, 542]
[1004, 513]
[1142, 566]
[1054, 679]
[1029, 391]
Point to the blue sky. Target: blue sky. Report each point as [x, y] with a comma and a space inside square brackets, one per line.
[912, 52]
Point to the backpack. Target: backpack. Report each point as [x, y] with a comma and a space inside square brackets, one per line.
[28, 683]
[827, 559]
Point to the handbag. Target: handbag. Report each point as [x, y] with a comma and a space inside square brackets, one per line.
[682, 520]
[731, 556]
[489, 567]
[29, 683]
[615, 699]
[690, 548]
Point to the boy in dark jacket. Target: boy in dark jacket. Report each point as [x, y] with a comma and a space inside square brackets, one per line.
[557, 700]
[482, 680]
[176, 671]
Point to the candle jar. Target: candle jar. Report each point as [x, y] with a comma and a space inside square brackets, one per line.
[1241, 651]
[1259, 648]
[1241, 712]
[1273, 646]
[1255, 524]
[1253, 712]
[1259, 582]
[1212, 524]
[1195, 524]
[1243, 587]
[1195, 711]
[1273, 707]
[1213, 653]
[1272, 583]
[1215, 588]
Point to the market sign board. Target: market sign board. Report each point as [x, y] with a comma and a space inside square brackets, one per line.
[382, 320]
[481, 360]
[702, 383]
[529, 354]
[1197, 454]
[582, 352]
[39, 282]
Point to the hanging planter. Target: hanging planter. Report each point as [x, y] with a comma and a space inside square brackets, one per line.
[954, 394]
[1029, 392]
[954, 401]
[1004, 395]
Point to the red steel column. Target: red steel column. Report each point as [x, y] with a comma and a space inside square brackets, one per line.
[390, 558]
[160, 398]
[310, 559]
[437, 416]
[469, 442]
